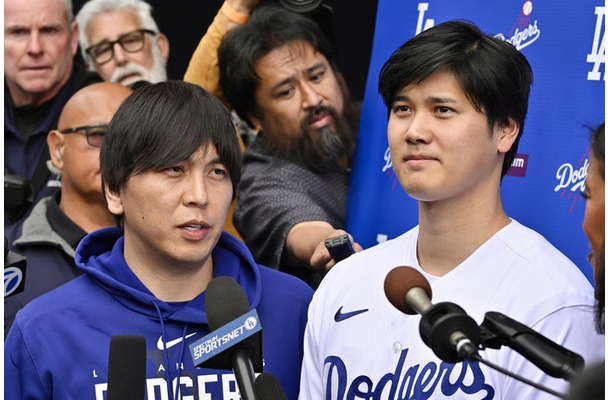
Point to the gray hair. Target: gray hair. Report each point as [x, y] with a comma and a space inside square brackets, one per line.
[94, 7]
[69, 12]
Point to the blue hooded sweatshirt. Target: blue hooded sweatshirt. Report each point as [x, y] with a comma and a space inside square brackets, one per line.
[59, 344]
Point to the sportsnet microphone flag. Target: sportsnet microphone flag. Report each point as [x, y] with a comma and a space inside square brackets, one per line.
[225, 337]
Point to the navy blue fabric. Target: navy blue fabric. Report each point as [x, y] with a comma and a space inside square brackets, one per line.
[59, 343]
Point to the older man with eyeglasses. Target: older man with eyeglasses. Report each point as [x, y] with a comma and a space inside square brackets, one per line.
[49, 235]
[120, 40]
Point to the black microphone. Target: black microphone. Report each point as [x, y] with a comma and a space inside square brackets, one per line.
[444, 327]
[557, 361]
[267, 387]
[127, 368]
[225, 301]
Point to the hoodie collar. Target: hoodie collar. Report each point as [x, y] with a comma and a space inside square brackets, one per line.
[100, 256]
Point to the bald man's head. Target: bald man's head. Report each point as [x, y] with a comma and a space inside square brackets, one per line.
[75, 145]
[93, 104]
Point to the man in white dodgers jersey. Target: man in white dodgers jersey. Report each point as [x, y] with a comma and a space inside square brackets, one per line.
[457, 101]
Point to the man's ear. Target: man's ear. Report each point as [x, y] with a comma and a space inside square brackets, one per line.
[115, 204]
[508, 134]
[74, 38]
[163, 43]
[56, 142]
[255, 122]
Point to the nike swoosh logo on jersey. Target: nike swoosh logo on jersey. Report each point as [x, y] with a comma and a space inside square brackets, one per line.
[171, 342]
[341, 316]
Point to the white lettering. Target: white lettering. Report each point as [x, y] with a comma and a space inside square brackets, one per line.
[598, 49]
[518, 163]
[54, 183]
[185, 381]
[422, 8]
[388, 160]
[250, 323]
[229, 388]
[523, 38]
[202, 381]
[156, 386]
[568, 175]
[201, 387]
[100, 389]
[213, 343]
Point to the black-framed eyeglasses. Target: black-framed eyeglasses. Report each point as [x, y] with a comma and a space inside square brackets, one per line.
[131, 42]
[94, 133]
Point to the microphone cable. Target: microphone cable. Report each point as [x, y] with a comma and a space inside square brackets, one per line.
[477, 357]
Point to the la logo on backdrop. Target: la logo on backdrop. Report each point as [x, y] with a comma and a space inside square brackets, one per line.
[571, 177]
[542, 189]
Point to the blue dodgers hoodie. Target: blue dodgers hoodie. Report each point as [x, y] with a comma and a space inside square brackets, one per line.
[59, 343]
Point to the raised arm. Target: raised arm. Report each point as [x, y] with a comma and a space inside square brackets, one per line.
[203, 66]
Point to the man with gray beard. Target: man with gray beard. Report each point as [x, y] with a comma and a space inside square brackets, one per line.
[142, 51]
[278, 73]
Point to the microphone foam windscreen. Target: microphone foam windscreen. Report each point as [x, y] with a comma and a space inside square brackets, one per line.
[225, 301]
[267, 387]
[127, 368]
[399, 281]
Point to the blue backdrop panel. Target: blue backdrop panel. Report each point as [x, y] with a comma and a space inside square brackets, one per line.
[564, 42]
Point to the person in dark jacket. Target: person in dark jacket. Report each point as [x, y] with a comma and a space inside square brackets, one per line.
[170, 164]
[49, 235]
[278, 72]
[40, 75]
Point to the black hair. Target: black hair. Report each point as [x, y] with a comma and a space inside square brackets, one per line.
[494, 75]
[268, 28]
[598, 143]
[162, 124]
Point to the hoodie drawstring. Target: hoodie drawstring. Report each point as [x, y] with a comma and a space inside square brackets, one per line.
[176, 390]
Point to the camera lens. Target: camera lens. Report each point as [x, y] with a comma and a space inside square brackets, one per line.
[300, 6]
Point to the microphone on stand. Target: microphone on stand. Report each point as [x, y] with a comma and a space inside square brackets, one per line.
[450, 333]
[127, 368]
[445, 327]
[236, 337]
[557, 361]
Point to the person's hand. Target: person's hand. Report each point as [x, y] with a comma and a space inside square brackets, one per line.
[243, 6]
[321, 258]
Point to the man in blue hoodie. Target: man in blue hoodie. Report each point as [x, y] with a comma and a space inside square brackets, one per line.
[170, 164]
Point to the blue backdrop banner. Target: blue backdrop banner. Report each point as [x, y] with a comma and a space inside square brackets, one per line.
[565, 45]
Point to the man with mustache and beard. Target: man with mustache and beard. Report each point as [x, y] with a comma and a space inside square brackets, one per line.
[142, 52]
[277, 72]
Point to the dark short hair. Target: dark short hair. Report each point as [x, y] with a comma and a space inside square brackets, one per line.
[268, 28]
[598, 144]
[164, 123]
[494, 75]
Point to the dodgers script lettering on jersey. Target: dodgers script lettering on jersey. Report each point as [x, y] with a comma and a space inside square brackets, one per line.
[408, 382]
